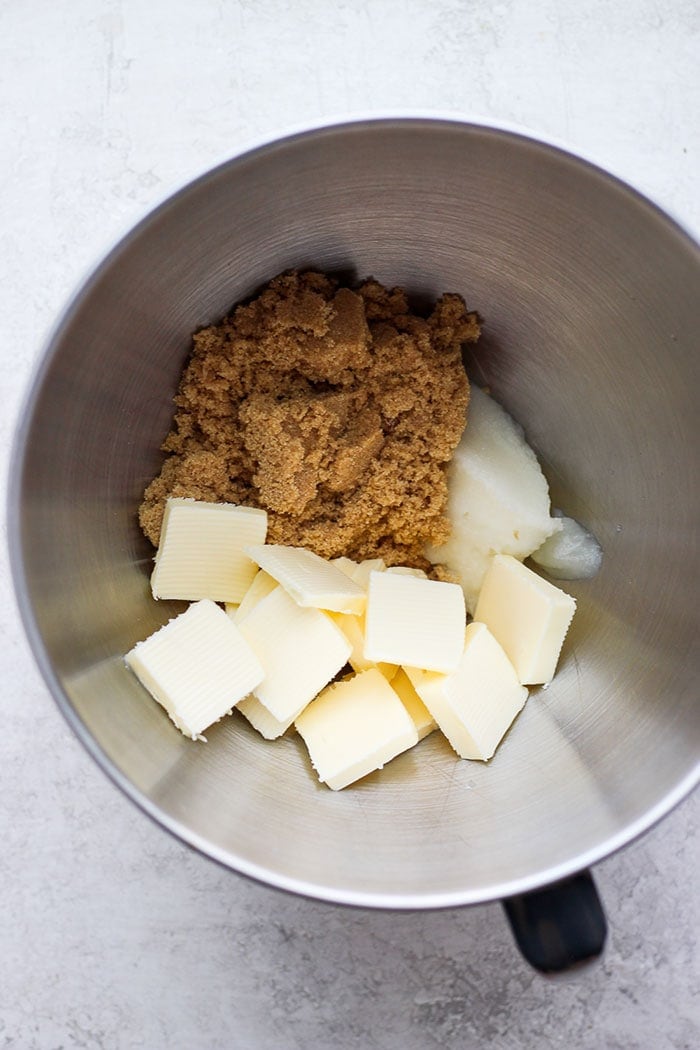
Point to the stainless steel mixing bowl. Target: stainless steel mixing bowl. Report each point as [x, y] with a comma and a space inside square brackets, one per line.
[591, 304]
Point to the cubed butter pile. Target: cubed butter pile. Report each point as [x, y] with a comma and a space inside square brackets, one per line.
[292, 621]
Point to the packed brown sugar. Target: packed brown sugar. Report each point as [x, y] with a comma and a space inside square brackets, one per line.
[335, 410]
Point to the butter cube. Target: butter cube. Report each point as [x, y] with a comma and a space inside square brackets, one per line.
[260, 718]
[475, 705]
[422, 718]
[353, 627]
[528, 616]
[414, 622]
[406, 570]
[346, 565]
[312, 581]
[359, 571]
[259, 589]
[198, 667]
[354, 727]
[300, 649]
[201, 551]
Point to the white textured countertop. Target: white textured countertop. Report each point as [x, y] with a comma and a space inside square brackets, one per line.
[113, 935]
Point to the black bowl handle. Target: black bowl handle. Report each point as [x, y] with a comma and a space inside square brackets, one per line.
[559, 926]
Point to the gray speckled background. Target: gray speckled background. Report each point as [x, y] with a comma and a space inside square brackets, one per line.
[112, 935]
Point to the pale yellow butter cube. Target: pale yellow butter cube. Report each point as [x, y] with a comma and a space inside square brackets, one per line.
[359, 570]
[353, 627]
[527, 615]
[476, 703]
[346, 565]
[414, 622]
[355, 727]
[300, 650]
[198, 667]
[406, 570]
[360, 573]
[260, 718]
[422, 718]
[201, 550]
[312, 581]
[259, 589]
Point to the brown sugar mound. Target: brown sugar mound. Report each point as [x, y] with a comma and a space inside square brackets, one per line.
[336, 411]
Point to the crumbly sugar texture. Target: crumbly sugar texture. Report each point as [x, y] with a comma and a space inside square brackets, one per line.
[335, 410]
